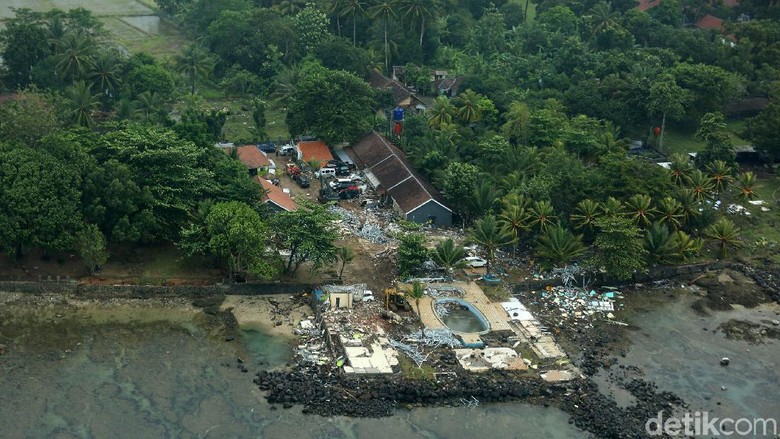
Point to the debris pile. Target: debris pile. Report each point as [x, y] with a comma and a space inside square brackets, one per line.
[573, 303]
[312, 349]
[373, 233]
[411, 351]
[367, 224]
[435, 337]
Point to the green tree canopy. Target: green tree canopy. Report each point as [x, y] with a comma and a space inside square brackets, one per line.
[335, 105]
[617, 248]
[411, 254]
[39, 200]
[306, 235]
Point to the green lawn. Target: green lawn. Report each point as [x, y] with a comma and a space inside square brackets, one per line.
[239, 125]
[761, 230]
[679, 141]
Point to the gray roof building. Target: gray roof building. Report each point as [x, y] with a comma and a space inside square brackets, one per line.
[388, 170]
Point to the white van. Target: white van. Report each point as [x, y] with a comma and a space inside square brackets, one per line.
[325, 172]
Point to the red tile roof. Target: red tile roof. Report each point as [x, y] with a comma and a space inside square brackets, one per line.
[647, 4]
[710, 22]
[250, 156]
[275, 195]
[315, 150]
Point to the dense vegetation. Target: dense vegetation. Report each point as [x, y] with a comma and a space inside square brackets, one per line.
[530, 152]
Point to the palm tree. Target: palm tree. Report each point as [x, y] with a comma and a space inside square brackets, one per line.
[522, 159]
[679, 168]
[542, 215]
[419, 10]
[603, 17]
[289, 7]
[670, 212]
[557, 246]
[509, 181]
[286, 83]
[689, 204]
[353, 8]
[105, 74]
[417, 292]
[335, 8]
[194, 63]
[468, 106]
[700, 185]
[83, 103]
[613, 207]
[483, 198]
[491, 236]
[640, 209]
[448, 255]
[75, 58]
[585, 213]
[720, 175]
[685, 246]
[345, 256]
[441, 112]
[147, 105]
[514, 218]
[726, 234]
[517, 119]
[384, 10]
[660, 244]
[747, 183]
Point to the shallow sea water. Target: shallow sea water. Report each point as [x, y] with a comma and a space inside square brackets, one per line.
[151, 373]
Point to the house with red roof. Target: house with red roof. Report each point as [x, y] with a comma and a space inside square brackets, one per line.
[710, 22]
[315, 150]
[255, 160]
[276, 198]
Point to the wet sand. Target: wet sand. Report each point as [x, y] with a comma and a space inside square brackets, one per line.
[260, 312]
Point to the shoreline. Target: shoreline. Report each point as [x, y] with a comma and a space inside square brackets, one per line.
[323, 390]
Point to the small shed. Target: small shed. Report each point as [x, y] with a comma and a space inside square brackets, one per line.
[340, 299]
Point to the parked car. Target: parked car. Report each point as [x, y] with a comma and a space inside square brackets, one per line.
[340, 183]
[302, 180]
[368, 296]
[325, 172]
[287, 149]
[475, 261]
[267, 146]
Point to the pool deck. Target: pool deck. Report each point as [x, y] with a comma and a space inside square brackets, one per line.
[496, 316]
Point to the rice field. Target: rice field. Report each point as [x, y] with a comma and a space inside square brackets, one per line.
[134, 23]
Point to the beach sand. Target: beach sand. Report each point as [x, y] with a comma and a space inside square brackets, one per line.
[259, 311]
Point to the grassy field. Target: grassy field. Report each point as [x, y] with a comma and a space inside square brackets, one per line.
[761, 229]
[239, 125]
[134, 23]
[678, 141]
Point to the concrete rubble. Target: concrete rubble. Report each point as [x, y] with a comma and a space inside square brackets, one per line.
[482, 360]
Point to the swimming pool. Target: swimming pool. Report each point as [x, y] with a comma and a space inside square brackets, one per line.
[464, 317]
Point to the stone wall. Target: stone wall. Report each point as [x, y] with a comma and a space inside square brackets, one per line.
[148, 291]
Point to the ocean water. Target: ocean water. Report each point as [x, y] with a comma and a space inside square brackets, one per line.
[681, 350]
[149, 373]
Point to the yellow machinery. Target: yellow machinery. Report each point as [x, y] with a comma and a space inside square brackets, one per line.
[396, 299]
